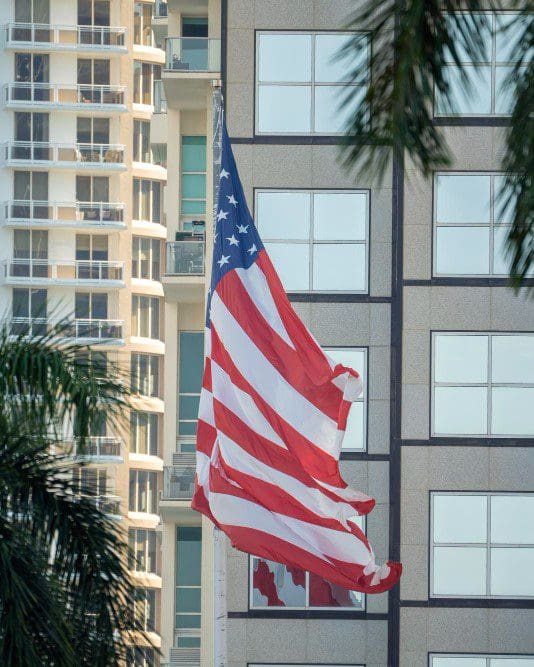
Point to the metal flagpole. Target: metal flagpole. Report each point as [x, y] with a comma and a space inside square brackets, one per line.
[219, 542]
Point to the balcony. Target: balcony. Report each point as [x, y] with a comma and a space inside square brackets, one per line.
[65, 97]
[184, 270]
[49, 272]
[44, 37]
[85, 157]
[46, 214]
[109, 504]
[85, 331]
[191, 64]
[179, 480]
[97, 449]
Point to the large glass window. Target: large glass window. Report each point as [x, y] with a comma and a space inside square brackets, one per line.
[143, 491]
[92, 130]
[191, 369]
[301, 83]
[188, 586]
[146, 258]
[144, 76]
[143, 14]
[145, 608]
[141, 141]
[144, 432]
[142, 556]
[145, 374]
[470, 225]
[147, 200]
[193, 182]
[91, 306]
[29, 310]
[480, 660]
[317, 240]
[92, 188]
[482, 384]
[356, 431]
[140, 656]
[490, 93]
[32, 11]
[482, 545]
[145, 316]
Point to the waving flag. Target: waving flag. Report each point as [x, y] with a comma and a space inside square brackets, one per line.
[273, 412]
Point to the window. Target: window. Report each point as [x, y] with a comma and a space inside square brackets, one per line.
[29, 304]
[93, 12]
[32, 68]
[143, 491]
[146, 258]
[142, 556]
[193, 184]
[90, 481]
[32, 11]
[30, 253]
[489, 94]
[92, 188]
[143, 13]
[30, 186]
[483, 384]
[93, 71]
[317, 240]
[274, 585]
[147, 200]
[141, 141]
[145, 374]
[482, 545]
[91, 306]
[92, 130]
[481, 660]
[140, 656]
[470, 225]
[144, 76]
[144, 433]
[191, 370]
[188, 586]
[356, 431]
[145, 316]
[31, 127]
[145, 608]
[300, 85]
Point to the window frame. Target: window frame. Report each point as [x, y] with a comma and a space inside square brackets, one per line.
[312, 84]
[487, 546]
[136, 316]
[132, 501]
[311, 242]
[185, 632]
[185, 438]
[132, 560]
[154, 258]
[135, 372]
[137, 191]
[153, 422]
[488, 384]
[489, 657]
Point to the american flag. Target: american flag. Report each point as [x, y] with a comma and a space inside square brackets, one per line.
[273, 412]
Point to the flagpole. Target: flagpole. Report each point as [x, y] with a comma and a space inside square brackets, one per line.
[219, 546]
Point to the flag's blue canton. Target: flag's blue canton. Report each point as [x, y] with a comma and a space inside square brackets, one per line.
[236, 243]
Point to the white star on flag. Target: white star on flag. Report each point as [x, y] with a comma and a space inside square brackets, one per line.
[231, 199]
[242, 229]
[224, 174]
[232, 239]
[222, 215]
[252, 249]
[224, 260]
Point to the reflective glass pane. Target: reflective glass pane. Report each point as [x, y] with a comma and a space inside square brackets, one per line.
[504, 210]
[512, 519]
[510, 31]
[501, 260]
[353, 357]
[331, 114]
[512, 662]
[459, 662]
[465, 25]
[339, 216]
[512, 412]
[459, 518]
[513, 359]
[459, 571]
[326, 594]
[284, 58]
[284, 109]
[474, 101]
[189, 407]
[355, 431]
[194, 186]
[330, 65]
[460, 410]
[191, 361]
[512, 573]
[292, 263]
[274, 585]
[193, 153]
[462, 251]
[339, 267]
[188, 556]
[504, 90]
[284, 215]
[187, 600]
[463, 199]
[460, 358]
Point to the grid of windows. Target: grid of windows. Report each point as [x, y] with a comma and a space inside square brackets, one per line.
[490, 93]
[142, 556]
[145, 374]
[190, 373]
[143, 491]
[146, 258]
[301, 83]
[188, 586]
[356, 432]
[145, 316]
[324, 247]
[147, 200]
[482, 545]
[480, 660]
[470, 225]
[483, 384]
[144, 433]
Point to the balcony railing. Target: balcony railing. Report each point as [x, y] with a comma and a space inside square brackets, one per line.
[65, 37]
[56, 271]
[67, 96]
[193, 54]
[179, 480]
[65, 155]
[62, 214]
[185, 258]
[86, 330]
[96, 448]
[108, 504]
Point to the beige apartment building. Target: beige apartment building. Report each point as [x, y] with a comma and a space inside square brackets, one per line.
[108, 123]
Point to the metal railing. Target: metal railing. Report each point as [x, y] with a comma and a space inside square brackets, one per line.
[65, 154]
[95, 448]
[75, 95]
[185, 258]
[99, 330]
[60, 270]
[66, 36]
[179, 480]
[193, 54]
[160, 101]
[97, 214]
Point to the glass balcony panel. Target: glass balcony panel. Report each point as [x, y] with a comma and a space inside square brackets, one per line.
[193, 54]
[185, 258]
